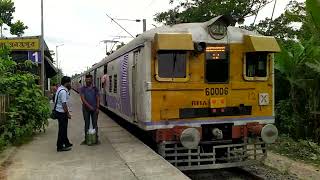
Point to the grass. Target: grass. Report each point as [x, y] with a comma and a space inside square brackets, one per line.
[302, 150]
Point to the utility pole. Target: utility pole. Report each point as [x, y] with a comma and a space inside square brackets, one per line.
[144, 23]
[58, 63]
[42, 77]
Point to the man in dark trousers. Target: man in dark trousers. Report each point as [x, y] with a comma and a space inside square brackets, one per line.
[61, 100]
[90, 105]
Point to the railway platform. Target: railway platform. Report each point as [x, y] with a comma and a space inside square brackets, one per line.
[119, 156]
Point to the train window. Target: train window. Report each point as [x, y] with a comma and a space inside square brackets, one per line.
[256, 65]
[115, 83]
[217, 64]
[110, 84]
[172, 64]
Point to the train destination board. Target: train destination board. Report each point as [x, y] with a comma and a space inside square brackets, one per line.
[216, 53]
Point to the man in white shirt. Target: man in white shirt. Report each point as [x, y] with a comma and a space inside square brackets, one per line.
[63, 114]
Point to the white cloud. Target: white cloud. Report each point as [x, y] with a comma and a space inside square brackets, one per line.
[82, 24]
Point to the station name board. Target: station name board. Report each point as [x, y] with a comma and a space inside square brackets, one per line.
[21, 44]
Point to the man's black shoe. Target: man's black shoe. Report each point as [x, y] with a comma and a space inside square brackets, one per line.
[68, 145]
[64, 149]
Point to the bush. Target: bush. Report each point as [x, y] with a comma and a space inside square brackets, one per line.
[29, 110]
[300, 150]
[285, 120]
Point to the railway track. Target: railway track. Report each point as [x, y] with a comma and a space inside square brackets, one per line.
[255, 172]
[223, 174]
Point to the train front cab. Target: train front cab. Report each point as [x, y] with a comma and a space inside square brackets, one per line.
[212, 104]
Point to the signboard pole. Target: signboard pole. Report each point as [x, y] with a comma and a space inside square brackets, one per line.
[42, 77]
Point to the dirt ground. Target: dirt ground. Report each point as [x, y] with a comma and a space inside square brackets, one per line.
[293, 167]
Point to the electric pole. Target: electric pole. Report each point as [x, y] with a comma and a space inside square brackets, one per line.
[42, 77]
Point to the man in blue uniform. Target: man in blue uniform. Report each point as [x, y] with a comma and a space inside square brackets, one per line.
[90, 105]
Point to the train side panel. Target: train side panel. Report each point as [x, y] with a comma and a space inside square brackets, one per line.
[126, 95]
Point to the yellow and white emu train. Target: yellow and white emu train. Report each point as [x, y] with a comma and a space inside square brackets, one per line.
[205, 91]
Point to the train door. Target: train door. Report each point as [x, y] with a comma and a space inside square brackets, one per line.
[104, 84]
[95, 78]
[134, 85]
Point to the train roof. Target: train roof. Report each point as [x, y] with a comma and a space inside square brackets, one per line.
[199, 32]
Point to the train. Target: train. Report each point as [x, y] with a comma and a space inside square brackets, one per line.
[203, 91]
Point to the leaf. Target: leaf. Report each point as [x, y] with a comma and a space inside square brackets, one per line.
[313, 7]
[315, 66]
[203, 10]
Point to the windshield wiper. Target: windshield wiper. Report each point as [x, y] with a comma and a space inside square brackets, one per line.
[174, 65]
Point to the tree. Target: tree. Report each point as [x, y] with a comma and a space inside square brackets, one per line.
[283, 26]
[299, 65]
[313, 7]
[120, 45]
[298, 22]
[18, 28]
[56, 79]
[6, 15]
[29, 109]
[6, 10]
[203, 10]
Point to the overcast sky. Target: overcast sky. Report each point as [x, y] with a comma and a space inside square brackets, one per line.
[81, 24]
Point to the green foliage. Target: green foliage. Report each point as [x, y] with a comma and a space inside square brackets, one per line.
[284, 112]
[18, 28]
[29, 109]
[304, 150]
[6, 15]
[313, 7]
[298, 22]
[6, 65]
[298, 64]
[6, 10]
[56, 79]
[120, 45]
[204, 10]
[284, 26]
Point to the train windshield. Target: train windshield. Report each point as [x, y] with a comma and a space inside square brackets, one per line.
[256, 64]
[217, 64]
[172, 64]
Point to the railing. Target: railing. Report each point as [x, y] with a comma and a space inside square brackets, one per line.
[4, 105]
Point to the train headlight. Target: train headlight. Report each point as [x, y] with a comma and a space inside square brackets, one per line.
[190, 138]
[269, 133]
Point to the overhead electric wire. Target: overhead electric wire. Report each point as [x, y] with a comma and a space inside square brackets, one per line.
[274, 6]
[120, 26]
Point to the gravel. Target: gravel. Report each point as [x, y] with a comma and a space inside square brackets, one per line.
[254, 172]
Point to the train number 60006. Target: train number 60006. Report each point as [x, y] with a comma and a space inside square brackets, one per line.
[217, 91]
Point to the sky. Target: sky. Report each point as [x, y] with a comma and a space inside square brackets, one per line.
[81, 25]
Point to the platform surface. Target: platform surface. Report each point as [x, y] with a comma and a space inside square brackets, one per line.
[119, 156]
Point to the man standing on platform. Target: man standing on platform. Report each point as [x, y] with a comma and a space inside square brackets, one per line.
[90, 106]
[63, 114]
